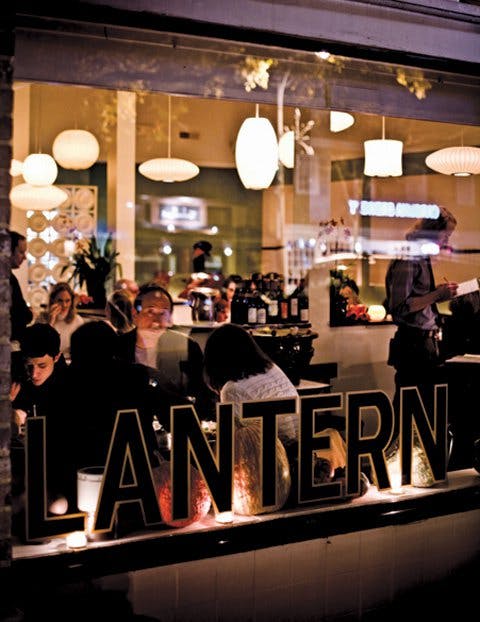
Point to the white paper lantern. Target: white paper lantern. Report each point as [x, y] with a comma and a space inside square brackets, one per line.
[76, 149]
[458, 161]
[168, 169]
[25, 196]
[16, 168]
[286, 149]
[256, 153]
[39, 169]
[376, 313]
[383, 158]
[340, 121]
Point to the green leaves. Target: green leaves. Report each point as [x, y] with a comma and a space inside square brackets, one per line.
[92, 260]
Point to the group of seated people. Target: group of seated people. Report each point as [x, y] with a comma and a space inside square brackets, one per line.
[79, 373]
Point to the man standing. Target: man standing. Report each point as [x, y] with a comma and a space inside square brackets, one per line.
[411, 299]
[20, 313]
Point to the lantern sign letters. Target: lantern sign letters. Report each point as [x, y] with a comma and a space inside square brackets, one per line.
[128, 476]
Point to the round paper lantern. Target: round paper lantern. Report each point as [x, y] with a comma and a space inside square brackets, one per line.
[286, 149]
[458, 161]
[256, 153]
[340, 121]
[39, 169]
[376, 313]
[76, 149]
[25, 196]
[16, 168]
[168, 169]
[383, 158]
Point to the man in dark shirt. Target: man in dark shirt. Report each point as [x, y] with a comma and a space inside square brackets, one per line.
[20, 313]
[411, 300]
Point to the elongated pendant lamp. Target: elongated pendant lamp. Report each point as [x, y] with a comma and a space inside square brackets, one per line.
[168, 169]
[383, 157]
[28, 197]
[458, 161]
[256, 152]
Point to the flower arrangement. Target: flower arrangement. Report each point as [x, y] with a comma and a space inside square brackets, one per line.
[94, 265]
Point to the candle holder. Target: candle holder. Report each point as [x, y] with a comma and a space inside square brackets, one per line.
[89, 484]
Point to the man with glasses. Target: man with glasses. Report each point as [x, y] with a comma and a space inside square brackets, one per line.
[176, 358]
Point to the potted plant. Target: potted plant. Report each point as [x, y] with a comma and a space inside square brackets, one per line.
[94, 265]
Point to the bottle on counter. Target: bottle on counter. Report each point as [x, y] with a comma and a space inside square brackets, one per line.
[273, 310]
[294, 313]
[303, 302]
[284, 304]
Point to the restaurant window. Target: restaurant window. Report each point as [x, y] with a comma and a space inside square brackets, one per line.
[323, 220]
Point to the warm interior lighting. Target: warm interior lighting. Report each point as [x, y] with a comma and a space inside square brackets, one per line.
[16, 168]
[376, 313]
[340, 121]
[256, 152]
[25, 196]
[224, 517]
[168, 169]
[383, 158]
[39, 169]
[286, 149]
[76, 540]
[76, 149]
[458, 161]
[89, 483]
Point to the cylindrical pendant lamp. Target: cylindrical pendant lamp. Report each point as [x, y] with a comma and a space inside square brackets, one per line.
[76, 149]
[383, 158]
[39, 169]
[256, 152]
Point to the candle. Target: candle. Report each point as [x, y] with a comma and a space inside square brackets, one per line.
[89, 483]
[224, 517]
[76, 540]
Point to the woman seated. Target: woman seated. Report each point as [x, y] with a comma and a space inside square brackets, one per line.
[62, 314]
[239, 371]
[223, 304]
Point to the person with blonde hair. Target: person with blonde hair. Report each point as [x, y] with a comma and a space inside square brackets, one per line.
[62, 314]
[119, 311]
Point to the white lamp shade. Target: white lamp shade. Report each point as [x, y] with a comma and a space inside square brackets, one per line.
[39, 169]
[376, 313]
[340, 121]
[256, 153]
[168, 169]
[286, 149]
[16, 168]
[76, 149]
[383, 158]
[25, 196]
[458, 161]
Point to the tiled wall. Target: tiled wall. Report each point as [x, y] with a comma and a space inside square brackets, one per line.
[344, 577]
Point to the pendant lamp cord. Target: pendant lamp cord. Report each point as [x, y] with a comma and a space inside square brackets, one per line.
[169, 123]
[383, 128]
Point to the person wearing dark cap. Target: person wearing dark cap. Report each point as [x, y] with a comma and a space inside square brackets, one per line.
[201, 249]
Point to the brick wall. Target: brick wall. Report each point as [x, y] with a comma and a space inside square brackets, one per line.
[6, 111]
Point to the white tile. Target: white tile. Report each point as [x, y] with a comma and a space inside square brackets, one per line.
[308, 561]
[342, 594]
[343, 553]
[375, 586]
[308, 601]
[235, 574]
[154, 591]
[273, 605]
[376, 547]
[409, 542]
[406, 575]
[197, 581]
[272, 568]
[200, 612]
[236, 609]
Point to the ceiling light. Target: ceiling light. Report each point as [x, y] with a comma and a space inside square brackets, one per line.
[16, 168]
[76, 149]
[39, 169]
[168, 169]
[27, 197]
[383, 158]
[340, 121]
[256, 152]
[458, 161]
[286, 149]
